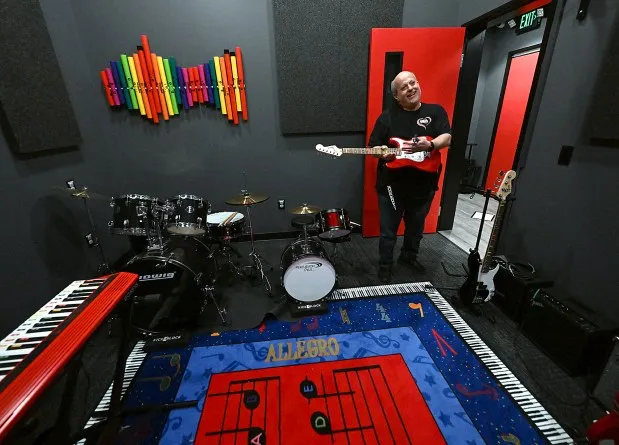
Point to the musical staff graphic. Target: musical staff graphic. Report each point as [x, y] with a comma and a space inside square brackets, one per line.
[175, 361]
[364, 400]
[246, 409]
[357, 406]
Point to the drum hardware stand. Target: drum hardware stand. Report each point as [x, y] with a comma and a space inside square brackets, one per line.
[226, 251]
[91, 238]
[256, 257]
[157, 211]
[209, 292]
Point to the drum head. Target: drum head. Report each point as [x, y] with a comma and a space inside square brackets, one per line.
[309, 278]
[219, 217]
[188, 229]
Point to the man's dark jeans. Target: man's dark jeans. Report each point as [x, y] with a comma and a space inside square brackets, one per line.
[414, 211]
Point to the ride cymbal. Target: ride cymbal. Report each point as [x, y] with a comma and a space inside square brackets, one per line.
[246, 199]
[82, 192]
[305, 209]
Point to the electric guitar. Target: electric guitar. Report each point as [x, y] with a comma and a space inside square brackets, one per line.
[479, 285]
[423, 160]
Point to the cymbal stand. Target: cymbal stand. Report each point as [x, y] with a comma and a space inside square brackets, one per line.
[93, 240]
[256, 257]
[226, 251]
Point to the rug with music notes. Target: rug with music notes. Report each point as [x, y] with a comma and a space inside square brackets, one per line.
[388, 370]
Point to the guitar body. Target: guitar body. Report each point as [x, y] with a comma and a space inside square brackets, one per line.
[423, 160]
[468, 290]
[479, 286]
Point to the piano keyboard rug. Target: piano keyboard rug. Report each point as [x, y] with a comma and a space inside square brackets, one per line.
[399, 369]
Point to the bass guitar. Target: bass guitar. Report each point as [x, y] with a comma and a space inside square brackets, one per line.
[479, 285]
[423, 160]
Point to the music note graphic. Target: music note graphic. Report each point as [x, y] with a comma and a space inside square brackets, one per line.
[313, 325]
[362, 352]
[164, 381]
[175, 360]
[510, 438]
[425, 360]
[489, 391]
[417, 306]
[297, 326]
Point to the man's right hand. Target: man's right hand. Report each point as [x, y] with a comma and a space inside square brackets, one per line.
[385, 157]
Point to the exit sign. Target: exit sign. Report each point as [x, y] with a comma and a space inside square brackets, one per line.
[528, 22]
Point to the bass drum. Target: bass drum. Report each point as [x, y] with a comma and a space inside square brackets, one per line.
[307, 273]
[170, 293]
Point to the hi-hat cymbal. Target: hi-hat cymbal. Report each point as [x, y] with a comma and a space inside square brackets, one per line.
[305, 209]
[82, 192]
[246, 199]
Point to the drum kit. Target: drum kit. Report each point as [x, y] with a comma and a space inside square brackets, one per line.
[308, 275]
[188, 246]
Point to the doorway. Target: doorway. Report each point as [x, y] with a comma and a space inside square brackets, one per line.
[508, 62]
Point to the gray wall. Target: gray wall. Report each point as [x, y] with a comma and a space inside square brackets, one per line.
[470, 10]
[198, 153]
[564, 219]
[497, 45]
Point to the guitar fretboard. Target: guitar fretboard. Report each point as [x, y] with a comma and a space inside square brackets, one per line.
[371, 151]
[485, 267]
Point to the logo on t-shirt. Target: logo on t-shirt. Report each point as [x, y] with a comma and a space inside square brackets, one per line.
[424, 122]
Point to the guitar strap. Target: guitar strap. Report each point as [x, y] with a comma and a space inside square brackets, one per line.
[390, 191]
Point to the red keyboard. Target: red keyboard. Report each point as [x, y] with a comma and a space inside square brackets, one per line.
[38, 351]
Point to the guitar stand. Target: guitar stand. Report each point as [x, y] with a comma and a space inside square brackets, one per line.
[487, 193]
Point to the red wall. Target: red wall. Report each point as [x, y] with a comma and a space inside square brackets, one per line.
[511, 116]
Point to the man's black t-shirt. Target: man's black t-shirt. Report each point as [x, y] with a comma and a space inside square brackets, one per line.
[429, 120]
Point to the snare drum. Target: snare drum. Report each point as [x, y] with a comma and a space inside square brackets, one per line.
[188, 215]
[133, 215]
[307, 273]
[233, 229]
[333, 223]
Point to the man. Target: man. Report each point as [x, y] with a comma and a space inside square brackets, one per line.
[407, 191]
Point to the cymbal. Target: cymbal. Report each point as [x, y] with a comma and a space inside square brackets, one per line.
[305, 210]
[246, 199]
[82, 192]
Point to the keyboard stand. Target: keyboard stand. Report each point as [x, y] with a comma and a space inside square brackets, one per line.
[105, 432]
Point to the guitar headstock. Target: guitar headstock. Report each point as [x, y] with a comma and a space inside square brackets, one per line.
[505, 187]
[332, 150]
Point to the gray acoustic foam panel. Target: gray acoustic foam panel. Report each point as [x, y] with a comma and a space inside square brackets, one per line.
[36, 111]
[604, 109]
[321, 50]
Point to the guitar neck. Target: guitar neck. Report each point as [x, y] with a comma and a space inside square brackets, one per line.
[371, 151]
[493, 237]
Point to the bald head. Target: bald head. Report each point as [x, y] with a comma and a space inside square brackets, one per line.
[406, 90]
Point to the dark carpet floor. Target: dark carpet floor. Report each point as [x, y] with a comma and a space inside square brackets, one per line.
[564, 397]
